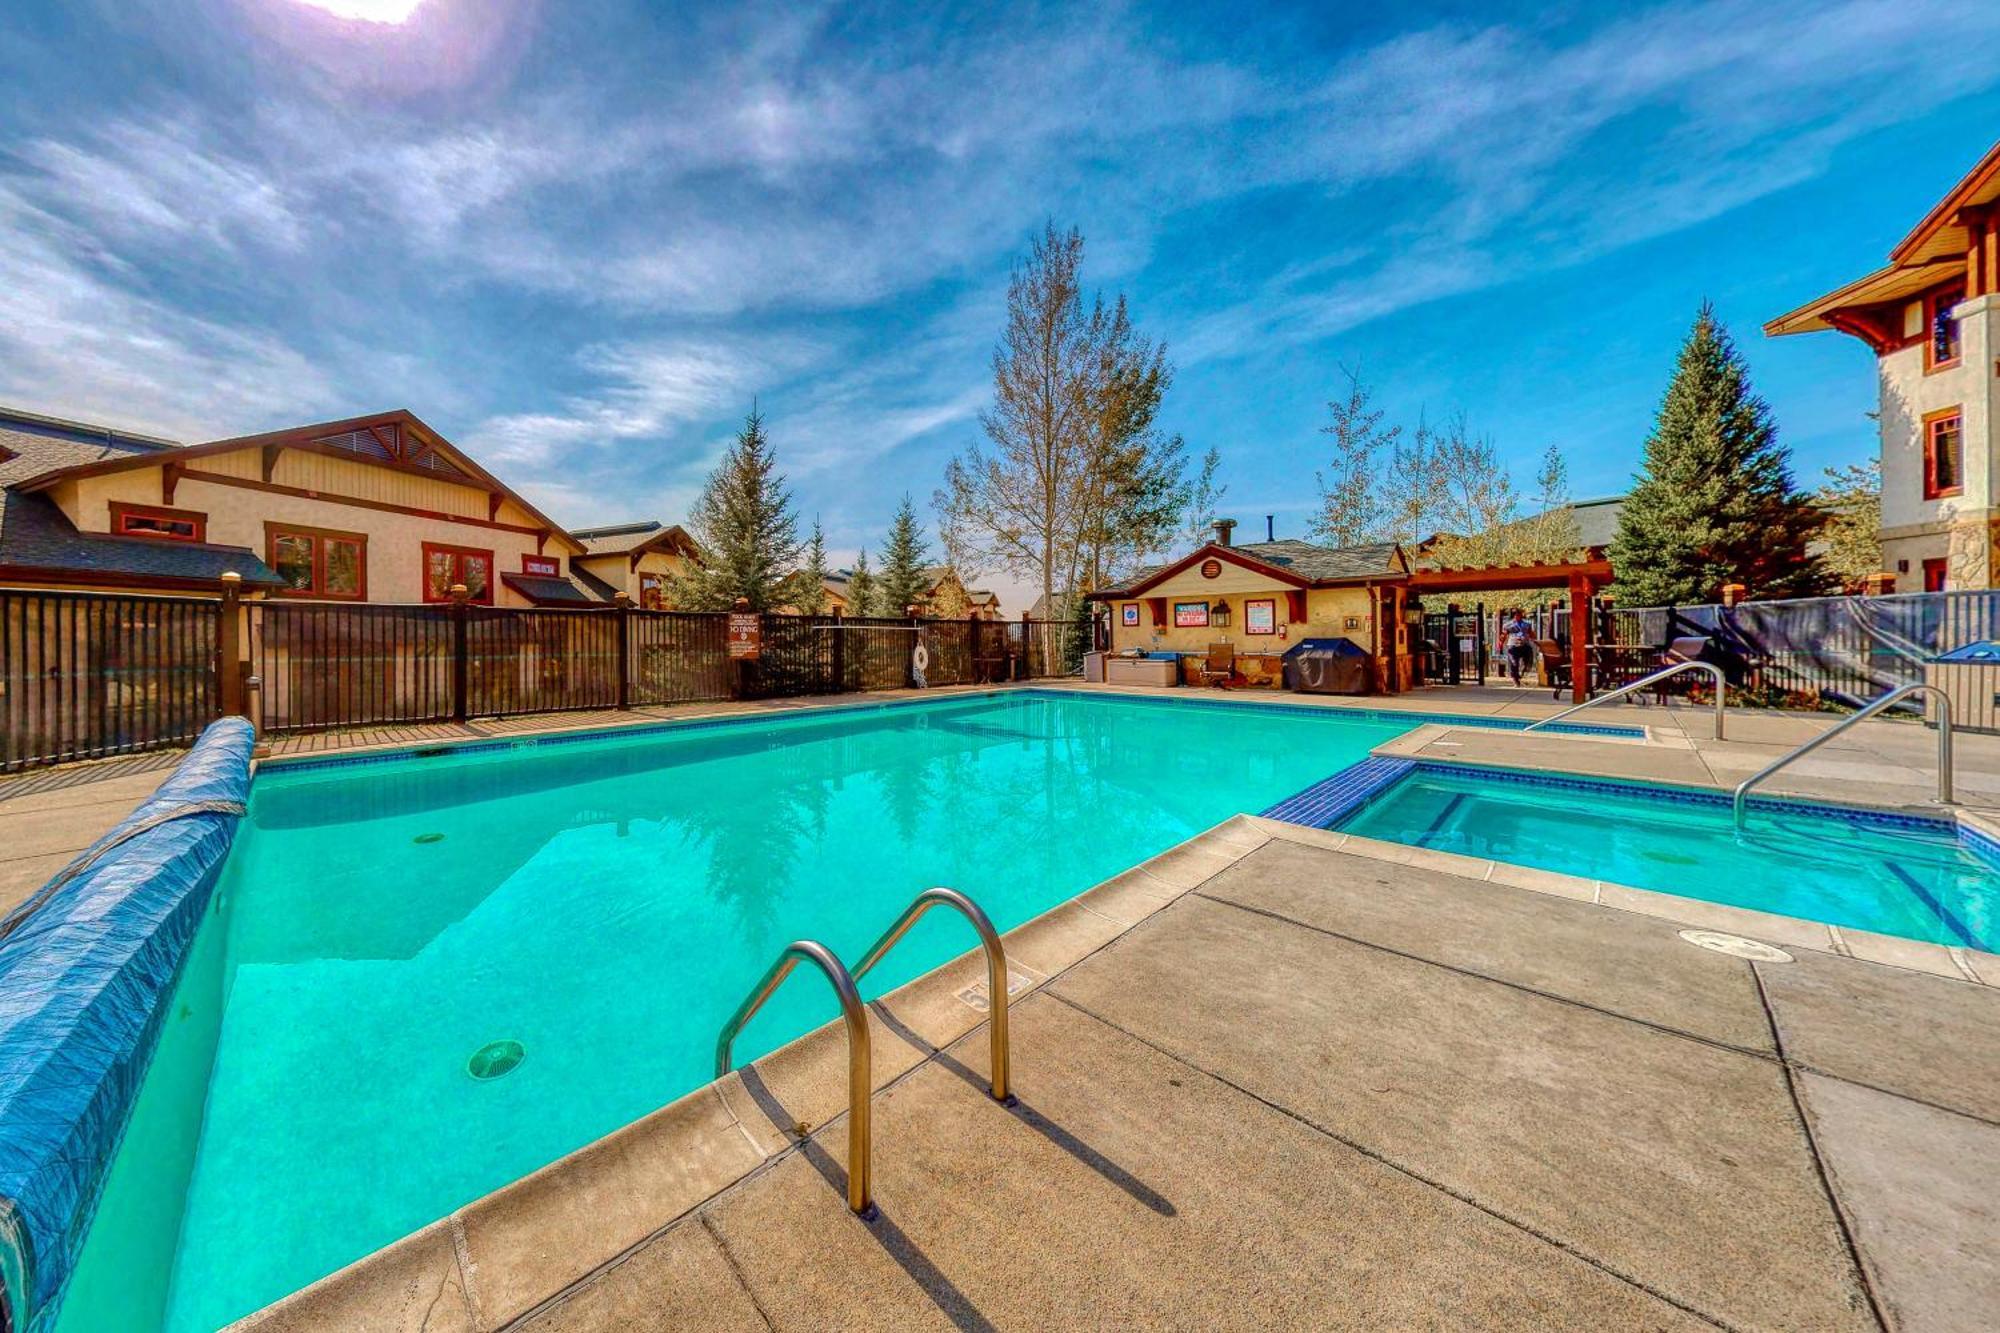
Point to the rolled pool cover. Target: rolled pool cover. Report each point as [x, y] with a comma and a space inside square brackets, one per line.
[86, 969]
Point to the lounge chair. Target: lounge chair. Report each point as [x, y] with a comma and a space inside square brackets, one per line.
[1220, 665]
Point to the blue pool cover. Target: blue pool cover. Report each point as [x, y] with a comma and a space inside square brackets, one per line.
[86, 969]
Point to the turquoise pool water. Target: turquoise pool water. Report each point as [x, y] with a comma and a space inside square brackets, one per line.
[1905, 878]
[604, 903]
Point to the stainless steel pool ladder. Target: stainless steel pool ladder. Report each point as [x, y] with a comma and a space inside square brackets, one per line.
[1721, 683]
[1894, 696]
[860, 1076]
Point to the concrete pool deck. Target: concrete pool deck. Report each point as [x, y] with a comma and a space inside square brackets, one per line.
[1278, 1077]
[1265, 1082]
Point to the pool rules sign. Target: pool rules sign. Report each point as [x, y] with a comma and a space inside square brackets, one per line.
[746, 636]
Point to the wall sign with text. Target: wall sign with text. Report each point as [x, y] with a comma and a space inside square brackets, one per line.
[1190, 615]
[1128, 615]
[1260, 616]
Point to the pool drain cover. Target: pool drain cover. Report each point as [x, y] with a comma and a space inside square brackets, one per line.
[496, 1058]
[1735, 946]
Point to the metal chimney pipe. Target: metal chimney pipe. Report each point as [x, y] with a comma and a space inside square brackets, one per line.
[1223, 527]
[1270, 528]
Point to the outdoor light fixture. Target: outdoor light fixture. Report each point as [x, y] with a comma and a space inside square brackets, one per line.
[1218, 614]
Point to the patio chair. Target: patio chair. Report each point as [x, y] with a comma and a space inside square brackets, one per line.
[1219, 666]
[1555, 665]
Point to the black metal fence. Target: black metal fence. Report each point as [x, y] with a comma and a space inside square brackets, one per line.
[1843, 650]
[85, 675]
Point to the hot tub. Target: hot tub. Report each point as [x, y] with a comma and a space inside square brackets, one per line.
[1152, 669]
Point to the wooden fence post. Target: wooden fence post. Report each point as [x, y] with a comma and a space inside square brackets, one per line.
[229, 647]
[622, 617]
[459, 596]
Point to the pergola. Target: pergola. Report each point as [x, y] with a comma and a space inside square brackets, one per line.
[1583, 578]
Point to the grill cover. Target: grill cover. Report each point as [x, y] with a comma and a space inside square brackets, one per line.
[1326, 666]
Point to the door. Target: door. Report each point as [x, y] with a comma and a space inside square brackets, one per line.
[1934, 575]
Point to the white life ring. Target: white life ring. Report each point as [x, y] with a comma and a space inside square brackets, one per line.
[920, 658]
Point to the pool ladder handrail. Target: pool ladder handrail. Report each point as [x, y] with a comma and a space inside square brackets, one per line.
[1895, 696]
[1721, 684]
[996, 968]
[860, 1069]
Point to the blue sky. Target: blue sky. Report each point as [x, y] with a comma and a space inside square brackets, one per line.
[579, 237]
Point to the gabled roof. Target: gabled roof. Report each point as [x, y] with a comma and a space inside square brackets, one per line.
[397, 440]
[635, 539]
[1294, 564]
[1922, 259]
[38, 541]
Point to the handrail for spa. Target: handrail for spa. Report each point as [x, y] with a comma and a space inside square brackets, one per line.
[1892, 697]
[1721, 683]
[996, 967]
[860, 1078]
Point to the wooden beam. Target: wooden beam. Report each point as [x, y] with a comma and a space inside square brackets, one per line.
[1579, 637]
[1295, 605]
[271, 452]
[493, 499]
[271, 488]
[170, 478]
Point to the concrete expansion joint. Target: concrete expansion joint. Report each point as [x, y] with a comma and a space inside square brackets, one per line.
[1404, 1169]
[1573, 1003]
[461, 1254]
[1842, 1221]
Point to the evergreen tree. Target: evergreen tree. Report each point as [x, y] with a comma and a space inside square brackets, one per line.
[864, 596]
[1715, 503]
[746, 529]
[810, 598]
[903, 583]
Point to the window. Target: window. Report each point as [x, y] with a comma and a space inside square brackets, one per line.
[544, 566]
[1944, 472]
[176, 525]
[446, 565]
[1934, 575]
[318, 562]
[1941, 344]
[652, 592]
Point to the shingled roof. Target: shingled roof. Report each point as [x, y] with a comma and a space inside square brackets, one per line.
[38, 541]
[1305, 562]
[625, 538]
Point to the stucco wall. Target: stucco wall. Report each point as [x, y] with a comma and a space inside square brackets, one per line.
[1912, 526]
[1328, 611]
[618, 570]
[236, 515]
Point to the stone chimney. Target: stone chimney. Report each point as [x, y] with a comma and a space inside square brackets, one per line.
[1223, 527]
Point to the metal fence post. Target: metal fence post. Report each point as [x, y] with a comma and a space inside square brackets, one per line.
[459, 596]
[838, 653]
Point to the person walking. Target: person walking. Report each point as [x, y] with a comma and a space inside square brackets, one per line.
[1519, 637]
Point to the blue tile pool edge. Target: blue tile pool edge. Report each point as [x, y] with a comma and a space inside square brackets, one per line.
[580, 735]
[1371, 782]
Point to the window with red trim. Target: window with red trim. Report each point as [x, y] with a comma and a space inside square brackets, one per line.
[546, 566]
[1942, 345]
[1944, 461]
[1935, 574]
[318, 562]
[446, 565]
[174, 525]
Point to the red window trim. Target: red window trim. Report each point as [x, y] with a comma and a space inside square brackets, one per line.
[1939, 566]
[553, 566]
[1949, 296]
[458, 553]
[319, 537]
[1931, 421]
[120, 511]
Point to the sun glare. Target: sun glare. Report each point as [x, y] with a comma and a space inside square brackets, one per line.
[368, 11]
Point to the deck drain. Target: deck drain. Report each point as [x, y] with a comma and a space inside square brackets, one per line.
[496, 1058]
[1735, 946]
[428, 837]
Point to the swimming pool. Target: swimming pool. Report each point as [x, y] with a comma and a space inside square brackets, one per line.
[383, 927]
[1897, 874]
